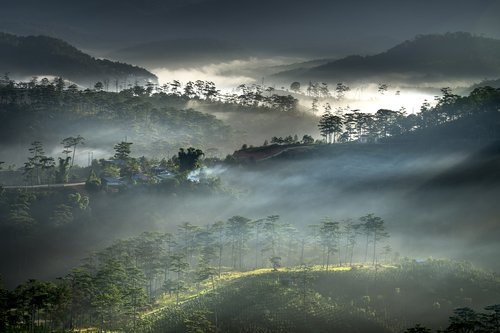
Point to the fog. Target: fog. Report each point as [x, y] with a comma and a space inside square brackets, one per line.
[402, 185]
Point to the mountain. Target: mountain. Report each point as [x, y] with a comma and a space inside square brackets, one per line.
[180, 52]
[42, 55]
[492, 83]
[300, 65]
[425, 58]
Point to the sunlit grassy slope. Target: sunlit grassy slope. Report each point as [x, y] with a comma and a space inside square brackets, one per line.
[344, 299]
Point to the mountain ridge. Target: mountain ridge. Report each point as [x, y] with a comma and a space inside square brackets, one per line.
[23, 56]
[457, 55]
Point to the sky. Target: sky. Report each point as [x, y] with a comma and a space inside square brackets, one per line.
[312, 28]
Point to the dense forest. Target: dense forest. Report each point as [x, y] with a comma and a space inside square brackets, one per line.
[160, 119]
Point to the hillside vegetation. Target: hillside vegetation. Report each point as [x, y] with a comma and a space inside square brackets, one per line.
[425, 58]
[306, 299]
[41, 55]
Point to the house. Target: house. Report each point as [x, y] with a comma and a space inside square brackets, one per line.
[164, 176]
[140, 178]
[112, 184]
[156, 170]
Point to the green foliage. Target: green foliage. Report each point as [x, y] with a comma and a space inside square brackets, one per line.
[93, 183]
[122, 151]
[62, 172]
[111, 170]
[189, 159]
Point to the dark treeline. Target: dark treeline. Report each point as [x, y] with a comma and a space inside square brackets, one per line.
[44, 109]
[58, 91]
[467, 320]
[346, 125]
[115, 285]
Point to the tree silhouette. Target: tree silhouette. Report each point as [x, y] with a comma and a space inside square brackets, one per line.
[72, 142]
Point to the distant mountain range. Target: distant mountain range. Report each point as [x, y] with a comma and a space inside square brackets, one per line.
[423, 59]
[40, 55]
[180, 52]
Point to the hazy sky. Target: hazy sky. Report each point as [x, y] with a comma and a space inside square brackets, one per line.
[313, 27]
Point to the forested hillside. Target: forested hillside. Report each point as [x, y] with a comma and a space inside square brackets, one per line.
[426, 58]
[41, 55]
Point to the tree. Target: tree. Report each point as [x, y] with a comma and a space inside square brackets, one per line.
[98, 86]
[189, 159]
[134, 296]
[218, 230]
[314, 105]
[384, 120]
[175, 87]
[350, 232]
[31, 298]
[188, 234]
[72, 142]
[62, 172]
[275, 263]
[149, 251]
[189, 90]
[272, 235]
[93, 183]
[207, 249]
[340, 90]
[238, 228]
[329, 230]
[382, 88]
[178, 265]
[374, 229]
[464, 320]
[491, 320]
[35, 161]
[210, 90]
[307, 139]
[295, 87]
[122, 151]
[325, 126]
[330, 125]
[108, 300]
[323, 90]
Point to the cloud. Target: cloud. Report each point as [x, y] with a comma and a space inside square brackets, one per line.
[226, 75]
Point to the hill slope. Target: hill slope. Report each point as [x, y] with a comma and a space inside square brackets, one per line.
[356, 300]
[428, 57]
[41, 55]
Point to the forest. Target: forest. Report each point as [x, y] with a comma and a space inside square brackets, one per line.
[221, 166]
[330, 270]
